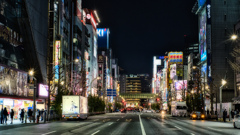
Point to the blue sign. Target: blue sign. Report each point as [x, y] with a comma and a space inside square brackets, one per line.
[161, 57]
[201, 3]
[1, 102]
[103, 37]
[111, 92]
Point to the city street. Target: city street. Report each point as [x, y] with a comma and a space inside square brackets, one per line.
[125, 124]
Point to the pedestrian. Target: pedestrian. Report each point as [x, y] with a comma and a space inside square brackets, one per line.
[11, 115]
[224, 115]
[5, 114]
[30, 115]
[232, 114]
[38, 115]
[41, 113]
[22, 115]
[1, 116]
[25, 115]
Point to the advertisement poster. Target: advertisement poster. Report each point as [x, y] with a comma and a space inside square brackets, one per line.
[13, 82]
[202, 35]
[173, 71]
[43, 90]
[83, 105]
[70, 105]
[179, 85]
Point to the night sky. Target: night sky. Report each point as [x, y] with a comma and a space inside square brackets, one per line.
[140, 29]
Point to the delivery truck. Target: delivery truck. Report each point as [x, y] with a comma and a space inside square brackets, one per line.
[179, 108]
[74, 107]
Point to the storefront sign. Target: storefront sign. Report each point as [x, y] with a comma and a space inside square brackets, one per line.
[30, 90]
[43, 90]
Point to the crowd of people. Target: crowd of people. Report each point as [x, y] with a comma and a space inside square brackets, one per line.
[23, 115]
[233, 114]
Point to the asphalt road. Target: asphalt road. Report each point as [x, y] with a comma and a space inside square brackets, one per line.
[126, 124]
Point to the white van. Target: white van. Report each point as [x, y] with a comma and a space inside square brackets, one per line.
[179, 109]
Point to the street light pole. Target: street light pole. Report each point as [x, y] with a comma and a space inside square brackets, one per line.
[220, 96]
[31, 73]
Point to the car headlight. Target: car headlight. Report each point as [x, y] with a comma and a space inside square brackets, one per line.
[163, 112]
[194, 115]
[202, 116]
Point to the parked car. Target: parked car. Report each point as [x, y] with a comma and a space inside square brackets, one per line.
[158, 111]
[236, 121]
[197, 115]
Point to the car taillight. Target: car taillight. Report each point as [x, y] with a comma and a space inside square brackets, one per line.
[78, 115]
[63, 115]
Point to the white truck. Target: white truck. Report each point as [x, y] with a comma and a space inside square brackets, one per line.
[179, 108]
[74, 107]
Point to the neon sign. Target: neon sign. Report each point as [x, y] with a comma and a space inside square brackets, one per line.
[57, 58]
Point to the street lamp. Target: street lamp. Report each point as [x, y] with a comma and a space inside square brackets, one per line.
[223, 83]
[234, 37]
[31, 73]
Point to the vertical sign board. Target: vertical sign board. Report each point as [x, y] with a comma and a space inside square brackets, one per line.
[103, 37]
[208, 35]
[57, 53]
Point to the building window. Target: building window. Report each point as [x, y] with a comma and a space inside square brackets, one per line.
[225, 2]
[225, 17]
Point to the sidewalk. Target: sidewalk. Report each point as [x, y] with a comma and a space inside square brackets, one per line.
[17, 124]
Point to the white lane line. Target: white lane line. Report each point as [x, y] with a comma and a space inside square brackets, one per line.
[192, 134]
[110, 124]
[142, 128]
[49, 133]
[178, 127]
[214, 129]
[117, 119]
[95, 132]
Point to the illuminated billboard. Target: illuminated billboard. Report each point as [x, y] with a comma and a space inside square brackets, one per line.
[173, 71]
[179, 85]
[201, 3]
[103, 37]
[57, 58]
[43, 90]
[202, 36]
[175, 57]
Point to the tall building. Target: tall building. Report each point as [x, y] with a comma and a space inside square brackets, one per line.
[216, 21]
[92, 21]
[23, 45]
[157, 66]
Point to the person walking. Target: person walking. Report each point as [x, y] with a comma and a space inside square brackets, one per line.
[232, 114]
[30, 115]
[1, 116]
[22, 115]
[5, 114]
[11, 115]
[224, 115]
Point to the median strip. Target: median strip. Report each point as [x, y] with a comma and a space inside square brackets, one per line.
[142, 128]
[95, 132]
[49, 133]
[178, 127]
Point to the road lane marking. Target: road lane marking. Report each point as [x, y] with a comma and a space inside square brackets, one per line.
[49, 133]
[214, 129]
[142, 128]
[95, 132]
[117, 119]
[110, 124]
[178, 127]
